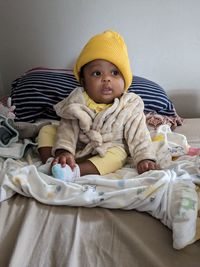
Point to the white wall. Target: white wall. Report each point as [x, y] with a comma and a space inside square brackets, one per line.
[163, 38]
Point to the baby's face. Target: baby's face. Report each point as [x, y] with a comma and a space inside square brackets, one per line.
[102, 81]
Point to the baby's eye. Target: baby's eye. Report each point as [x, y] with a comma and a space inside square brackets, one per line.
[115, 72]
[96, 73]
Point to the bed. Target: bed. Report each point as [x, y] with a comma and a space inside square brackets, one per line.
[38, 233]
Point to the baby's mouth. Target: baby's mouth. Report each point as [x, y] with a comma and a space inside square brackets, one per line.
[106, 90]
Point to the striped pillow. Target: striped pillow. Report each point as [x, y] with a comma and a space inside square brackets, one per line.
[153, 95]
[35, 93]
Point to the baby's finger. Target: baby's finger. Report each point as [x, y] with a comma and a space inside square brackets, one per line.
[62, 160]
[153, 166]
[71, 162]
[54, 161]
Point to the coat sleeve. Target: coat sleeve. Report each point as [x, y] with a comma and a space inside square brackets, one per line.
[137, 135]
[66, 136]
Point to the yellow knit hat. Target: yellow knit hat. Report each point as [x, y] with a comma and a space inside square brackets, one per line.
[109, 46]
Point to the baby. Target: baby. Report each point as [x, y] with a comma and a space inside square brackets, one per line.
[101, 124]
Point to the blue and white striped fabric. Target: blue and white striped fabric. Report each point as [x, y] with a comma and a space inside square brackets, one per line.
[153, 96]
[35, 93]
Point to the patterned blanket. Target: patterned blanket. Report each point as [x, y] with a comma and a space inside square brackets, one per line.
[169, 194]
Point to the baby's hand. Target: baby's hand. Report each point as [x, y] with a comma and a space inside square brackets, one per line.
[146, 165]
[64, 157]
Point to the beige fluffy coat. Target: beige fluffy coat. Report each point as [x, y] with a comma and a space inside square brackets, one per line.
[83, 132]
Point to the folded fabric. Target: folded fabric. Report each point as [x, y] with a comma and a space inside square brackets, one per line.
[154, 120]
[28, 129]
[16, 150]
[8, 134]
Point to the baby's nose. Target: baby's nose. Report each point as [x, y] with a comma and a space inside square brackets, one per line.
[106, 77]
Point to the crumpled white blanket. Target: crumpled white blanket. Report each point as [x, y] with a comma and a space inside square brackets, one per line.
[168, 194]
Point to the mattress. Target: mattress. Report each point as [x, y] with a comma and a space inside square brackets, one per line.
[191, 129]
[35, 234]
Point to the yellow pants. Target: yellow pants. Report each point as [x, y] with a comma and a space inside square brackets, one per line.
[113, 160]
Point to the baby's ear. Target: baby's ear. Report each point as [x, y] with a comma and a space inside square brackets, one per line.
[82, 81]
